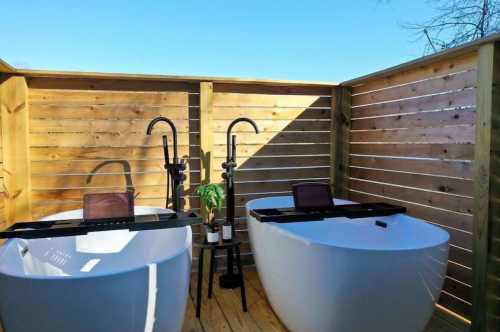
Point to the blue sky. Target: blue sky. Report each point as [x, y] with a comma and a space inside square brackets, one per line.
[303, 40]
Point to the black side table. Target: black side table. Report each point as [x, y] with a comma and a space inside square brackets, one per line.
[213, 247]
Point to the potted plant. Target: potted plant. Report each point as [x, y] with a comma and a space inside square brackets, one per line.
[212, 199]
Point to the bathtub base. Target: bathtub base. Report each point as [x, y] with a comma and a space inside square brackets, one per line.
[343, 275]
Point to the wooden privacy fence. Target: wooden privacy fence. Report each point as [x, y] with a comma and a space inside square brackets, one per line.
[62, 127]
[406, 136]
[412, 143]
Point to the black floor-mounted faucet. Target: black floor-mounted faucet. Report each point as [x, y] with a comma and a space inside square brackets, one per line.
[175, 169]
[229, 280]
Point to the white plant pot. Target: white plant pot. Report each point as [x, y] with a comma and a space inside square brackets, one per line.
[212, 237]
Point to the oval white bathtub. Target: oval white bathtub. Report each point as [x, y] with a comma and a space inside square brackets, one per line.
[107, 281]
[349, 275]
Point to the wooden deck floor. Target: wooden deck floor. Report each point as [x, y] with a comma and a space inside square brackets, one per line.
[223, 312]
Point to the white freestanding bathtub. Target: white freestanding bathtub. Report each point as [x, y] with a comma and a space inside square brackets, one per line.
[349, 275]
[115, 281]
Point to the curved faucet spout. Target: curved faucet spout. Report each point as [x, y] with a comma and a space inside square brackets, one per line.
[172, 126]
[126, 170]
[230, 128]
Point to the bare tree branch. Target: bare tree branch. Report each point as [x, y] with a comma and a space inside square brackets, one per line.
[457, 22]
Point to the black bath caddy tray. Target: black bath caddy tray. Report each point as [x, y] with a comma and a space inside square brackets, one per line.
[364, 210]
[72, 227]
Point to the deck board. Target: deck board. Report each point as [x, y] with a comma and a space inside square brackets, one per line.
[223, 312]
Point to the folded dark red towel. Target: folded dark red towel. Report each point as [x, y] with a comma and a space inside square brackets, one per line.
[108, 205]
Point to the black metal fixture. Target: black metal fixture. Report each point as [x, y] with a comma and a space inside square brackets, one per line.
[230, 280]
[175, 169]
[73, 227]
[202, 245]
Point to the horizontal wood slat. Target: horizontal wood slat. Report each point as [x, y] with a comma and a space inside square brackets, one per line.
[144, 191]
[436, 68]
[297, 149]
[127, 111]
[83, 97]
[86, 166]
[104, 126]
[255, 89]
[419, 150]
[67, 83]
[274, 126]
[280, 174]
[103, 180]
[276, 138]
[115, 139]
[270, 113]
[443, 101]
[278, 162]
[421, 181]
[458, 169]
[450, 82]
[439, 200]
[455, 304]
[255, 100]
[105, 153]
[451, 134]
[418, 120]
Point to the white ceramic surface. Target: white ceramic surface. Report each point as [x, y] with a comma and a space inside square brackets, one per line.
[349, 275]
[115, 281]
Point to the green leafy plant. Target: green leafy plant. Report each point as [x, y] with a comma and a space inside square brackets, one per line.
[212, 198]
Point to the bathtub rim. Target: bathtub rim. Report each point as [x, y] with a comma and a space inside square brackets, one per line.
[309, 241]
[187, 244]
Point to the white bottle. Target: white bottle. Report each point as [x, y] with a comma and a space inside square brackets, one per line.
[212, 234]
[227, 232]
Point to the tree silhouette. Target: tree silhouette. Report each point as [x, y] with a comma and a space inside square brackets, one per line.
[457, 22]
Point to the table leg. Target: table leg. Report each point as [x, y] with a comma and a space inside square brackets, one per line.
[200, 281]
[211, 273]
[242, 283]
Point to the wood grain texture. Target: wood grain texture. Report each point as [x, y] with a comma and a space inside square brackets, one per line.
[16, 152]
[486, 191]
[340, 127]
[412, 143]
[450, 82]
[440, 101]
[76, 123]
[418, 150]
[438, 67]
[206, 131]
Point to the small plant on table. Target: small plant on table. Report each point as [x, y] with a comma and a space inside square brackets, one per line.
[212, 199]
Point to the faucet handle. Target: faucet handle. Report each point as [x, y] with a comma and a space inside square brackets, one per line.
[182, 164]
[228, 165]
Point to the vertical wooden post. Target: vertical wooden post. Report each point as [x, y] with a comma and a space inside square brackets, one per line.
[206, 132]
[486, 232]
[340, 134]
[15, 147]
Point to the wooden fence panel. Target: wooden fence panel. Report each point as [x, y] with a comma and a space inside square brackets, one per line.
[293, 145]
[77, 124]
[412, 144]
